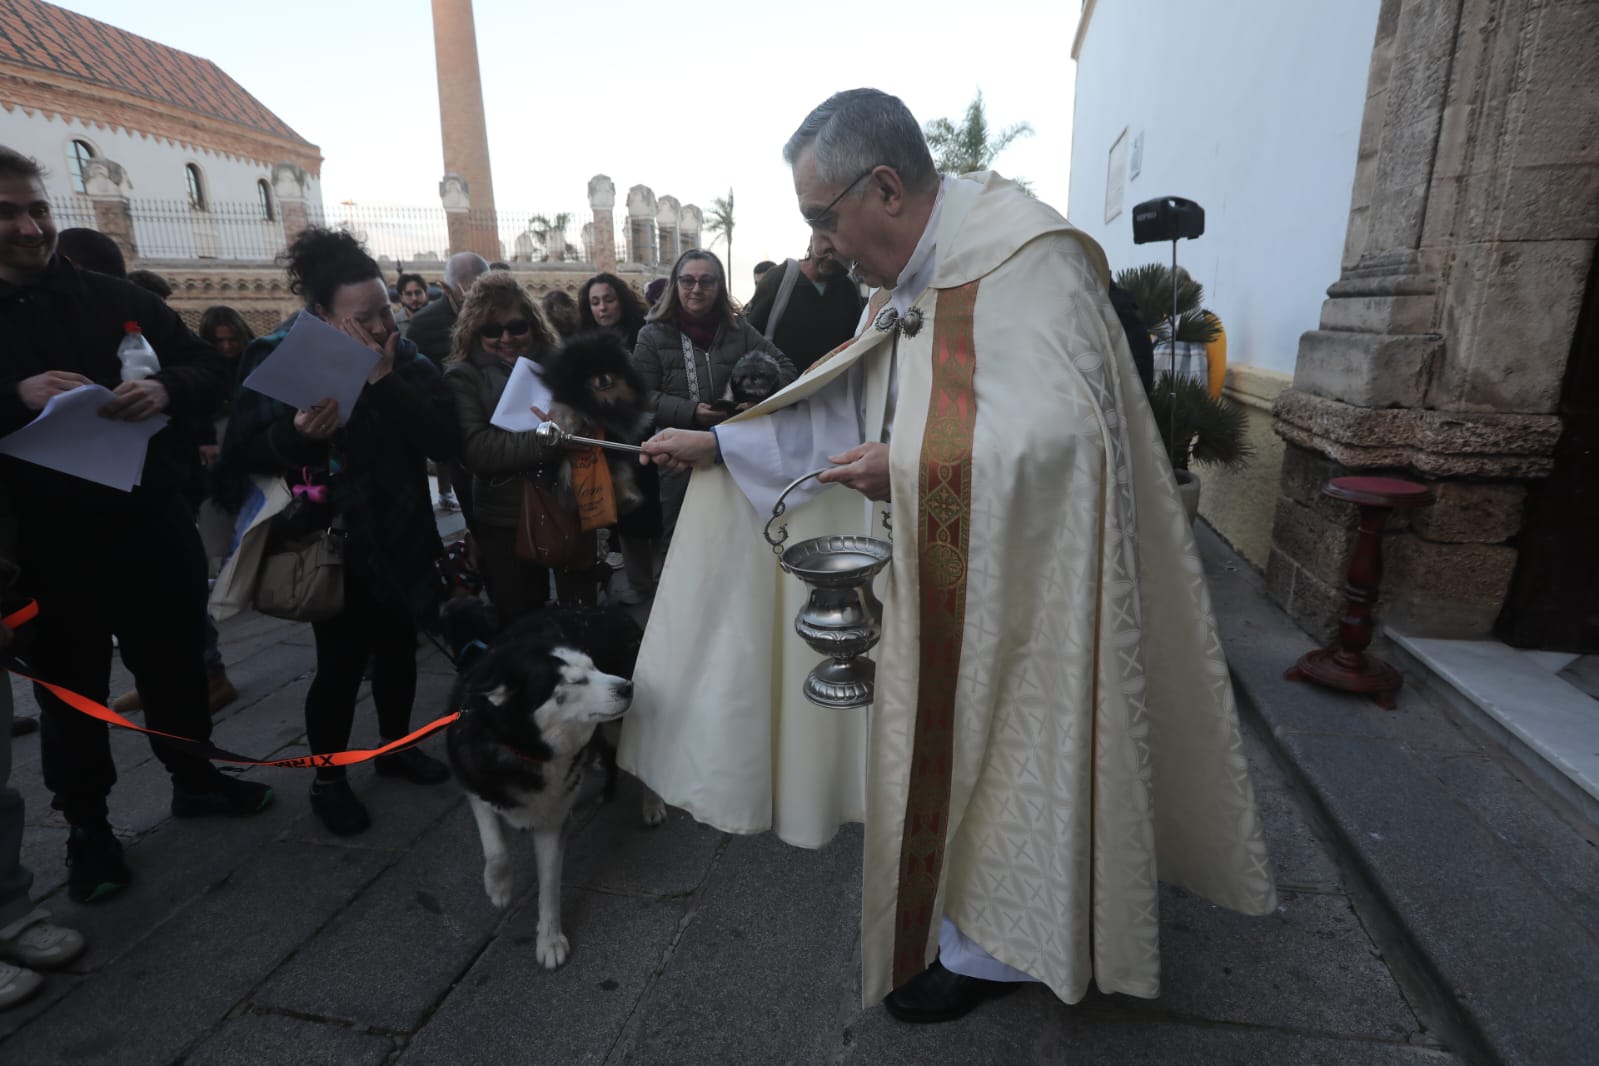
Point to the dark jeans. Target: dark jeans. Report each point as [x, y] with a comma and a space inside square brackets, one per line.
[136, 570]
[516, 586]
[366, 628]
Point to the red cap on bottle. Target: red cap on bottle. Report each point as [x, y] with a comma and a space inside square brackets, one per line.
[131, 327]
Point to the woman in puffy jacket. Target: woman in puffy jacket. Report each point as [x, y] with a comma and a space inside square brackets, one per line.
[686, 353]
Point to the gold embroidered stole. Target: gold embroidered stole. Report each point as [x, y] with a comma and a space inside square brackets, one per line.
[944, 504]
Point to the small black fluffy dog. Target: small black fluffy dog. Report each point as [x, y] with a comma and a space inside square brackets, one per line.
[755, 377]
[595, 387]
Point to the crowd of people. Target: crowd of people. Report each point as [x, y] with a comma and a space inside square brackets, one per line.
[445, 352]
[988, 394]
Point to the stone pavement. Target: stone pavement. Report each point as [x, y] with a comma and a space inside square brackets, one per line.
[267, 940]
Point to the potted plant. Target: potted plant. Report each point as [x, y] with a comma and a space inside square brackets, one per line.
[1197, 427]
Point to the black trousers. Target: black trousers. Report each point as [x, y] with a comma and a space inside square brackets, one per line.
[365, 629]
[134, 569]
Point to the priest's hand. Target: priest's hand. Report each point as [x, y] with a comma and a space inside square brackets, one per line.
[863, 468]
[680, 449]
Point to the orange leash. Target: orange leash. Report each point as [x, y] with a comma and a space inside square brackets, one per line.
[205, 748]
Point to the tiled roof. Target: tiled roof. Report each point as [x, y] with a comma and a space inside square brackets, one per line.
[49, 38]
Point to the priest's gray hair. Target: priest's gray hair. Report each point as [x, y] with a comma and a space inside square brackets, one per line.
[463, 268]
[857, 130]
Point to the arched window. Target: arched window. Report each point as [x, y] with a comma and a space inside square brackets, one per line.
[78, 155]
[196, 181]
[263, 192]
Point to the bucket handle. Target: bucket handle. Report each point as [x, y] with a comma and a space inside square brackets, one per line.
[778, 508]
[776, 540]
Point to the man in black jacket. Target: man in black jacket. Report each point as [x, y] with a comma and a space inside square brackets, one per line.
[101, 562]
[812, 304]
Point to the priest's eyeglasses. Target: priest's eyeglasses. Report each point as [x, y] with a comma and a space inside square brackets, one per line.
[824, 220]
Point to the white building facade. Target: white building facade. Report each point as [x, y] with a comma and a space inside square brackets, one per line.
[1251, 108]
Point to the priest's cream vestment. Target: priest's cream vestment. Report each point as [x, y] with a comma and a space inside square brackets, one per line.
[1053, 727]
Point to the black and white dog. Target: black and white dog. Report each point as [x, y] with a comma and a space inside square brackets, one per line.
[531, 699]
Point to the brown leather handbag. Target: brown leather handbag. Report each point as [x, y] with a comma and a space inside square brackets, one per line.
[548, 535]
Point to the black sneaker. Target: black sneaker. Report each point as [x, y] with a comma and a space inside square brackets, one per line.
[414, 765]
[95, 868]
[339, 808]
[220, 794]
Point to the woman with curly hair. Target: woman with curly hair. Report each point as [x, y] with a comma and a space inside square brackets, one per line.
[371, 463]
[498, 325]
[607, 302]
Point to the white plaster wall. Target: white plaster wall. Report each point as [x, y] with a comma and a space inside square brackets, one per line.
[155, 172]
[1252, 108]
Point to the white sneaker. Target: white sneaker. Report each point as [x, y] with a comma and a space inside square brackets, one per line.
[16, 984]
[33, 941]
[613, 560]
[448, 502]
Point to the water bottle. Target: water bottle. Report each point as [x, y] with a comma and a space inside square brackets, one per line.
[138, 358]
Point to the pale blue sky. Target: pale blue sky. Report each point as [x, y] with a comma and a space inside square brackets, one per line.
[687, 98]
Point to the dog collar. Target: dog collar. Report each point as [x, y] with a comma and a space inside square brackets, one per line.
[520, 754]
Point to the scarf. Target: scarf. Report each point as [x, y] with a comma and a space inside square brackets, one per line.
[700, 331]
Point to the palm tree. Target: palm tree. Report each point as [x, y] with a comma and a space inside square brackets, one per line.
[970, 146]
[544, 227]
[720, 225]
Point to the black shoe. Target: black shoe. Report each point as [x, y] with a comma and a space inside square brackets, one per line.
[939, 995]
[95, 868]
[340, 810]
[220, 794]
[414, 765]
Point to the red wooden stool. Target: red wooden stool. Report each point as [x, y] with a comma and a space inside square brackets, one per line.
[1347, 667]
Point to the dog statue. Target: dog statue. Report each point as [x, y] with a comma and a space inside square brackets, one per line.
[595, 388]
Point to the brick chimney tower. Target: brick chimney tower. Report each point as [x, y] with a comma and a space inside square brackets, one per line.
[466, 137]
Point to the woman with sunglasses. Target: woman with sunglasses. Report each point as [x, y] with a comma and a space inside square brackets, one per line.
[686, 353]
[498, 325]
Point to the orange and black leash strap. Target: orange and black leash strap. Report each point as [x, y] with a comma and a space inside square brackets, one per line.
[205, 748]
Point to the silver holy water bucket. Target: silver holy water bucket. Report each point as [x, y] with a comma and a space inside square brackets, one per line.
[841, 619]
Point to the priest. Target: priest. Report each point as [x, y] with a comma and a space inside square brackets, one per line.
[1053, 726]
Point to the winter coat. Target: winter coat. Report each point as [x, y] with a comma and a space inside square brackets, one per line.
[659, 360]
[72, 320]
[497, 458]
[658, 357]
[430, 330]
[379, 481]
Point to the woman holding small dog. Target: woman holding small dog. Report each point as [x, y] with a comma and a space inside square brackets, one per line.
[368, 468]
[499, 325]
[686, 353]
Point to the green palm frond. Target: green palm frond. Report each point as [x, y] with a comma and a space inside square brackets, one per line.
[1205, 429]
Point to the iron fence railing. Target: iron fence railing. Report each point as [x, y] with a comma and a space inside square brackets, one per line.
[165, 229]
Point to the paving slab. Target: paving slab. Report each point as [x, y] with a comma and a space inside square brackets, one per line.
[507, 1010]
[1562, 853]
[191, 971]
[1299, 862]
[277, 1040]
[765, 971]
[389, 956]
[614, 850]
[1308, 966]
[1031, 1028]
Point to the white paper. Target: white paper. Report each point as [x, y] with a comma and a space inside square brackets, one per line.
[313, 362]
[70, 436]
[524, 390]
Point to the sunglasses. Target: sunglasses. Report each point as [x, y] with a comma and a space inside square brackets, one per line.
[517, 327]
